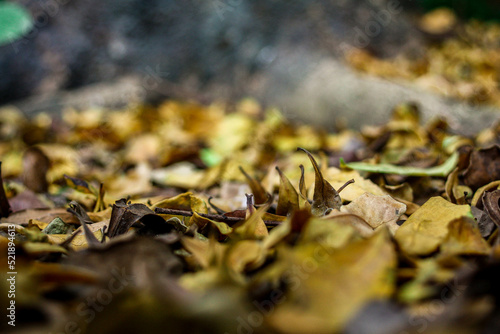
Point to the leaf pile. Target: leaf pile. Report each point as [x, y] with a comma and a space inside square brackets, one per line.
[462, 60]
[185, 218]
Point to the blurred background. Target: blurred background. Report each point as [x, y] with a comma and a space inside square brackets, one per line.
[334, 63]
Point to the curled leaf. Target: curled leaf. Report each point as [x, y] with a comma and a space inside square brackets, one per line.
[124, 215]
[325, 197]
[491, 205]
[484, 167]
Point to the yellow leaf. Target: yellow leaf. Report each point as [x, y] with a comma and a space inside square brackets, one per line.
[464, 238]
[427, 228]
[185, 201]
[327, 288]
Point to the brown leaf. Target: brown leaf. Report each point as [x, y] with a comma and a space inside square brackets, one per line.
[84, 219]
[45, 215]
[26, 200]
[124, 215]
[35, 167]
[491, 205]
[302, 184]
[484, 221]
[484, 167]
[325, 197]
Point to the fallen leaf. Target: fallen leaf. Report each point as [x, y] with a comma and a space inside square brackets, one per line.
[325, 197]
[427, 228]
[260, 194]
[324, 287]
[35, 167]
[441, 170]
[377, 210]
[491, 202]
[288, 198]
[464, 238]
[484, 167]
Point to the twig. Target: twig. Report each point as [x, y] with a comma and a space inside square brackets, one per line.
[219, 218]
[345, 185]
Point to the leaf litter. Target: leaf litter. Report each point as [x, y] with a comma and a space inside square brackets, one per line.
[188, 218]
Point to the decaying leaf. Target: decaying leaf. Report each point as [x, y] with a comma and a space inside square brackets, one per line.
[491, 203]
[178, 243]
[484, 167]
[124, 215]
[325, 197]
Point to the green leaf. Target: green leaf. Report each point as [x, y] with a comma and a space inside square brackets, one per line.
[441, 170]
[15, 21]
[210, 157]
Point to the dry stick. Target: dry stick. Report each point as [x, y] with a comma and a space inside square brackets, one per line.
[345, 185]
[220, 218]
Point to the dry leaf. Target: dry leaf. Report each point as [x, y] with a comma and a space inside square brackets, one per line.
[427, 227]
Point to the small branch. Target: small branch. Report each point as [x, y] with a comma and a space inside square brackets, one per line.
[345, 185]
[219, 218]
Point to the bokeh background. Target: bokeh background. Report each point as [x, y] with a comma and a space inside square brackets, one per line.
[290, 54]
